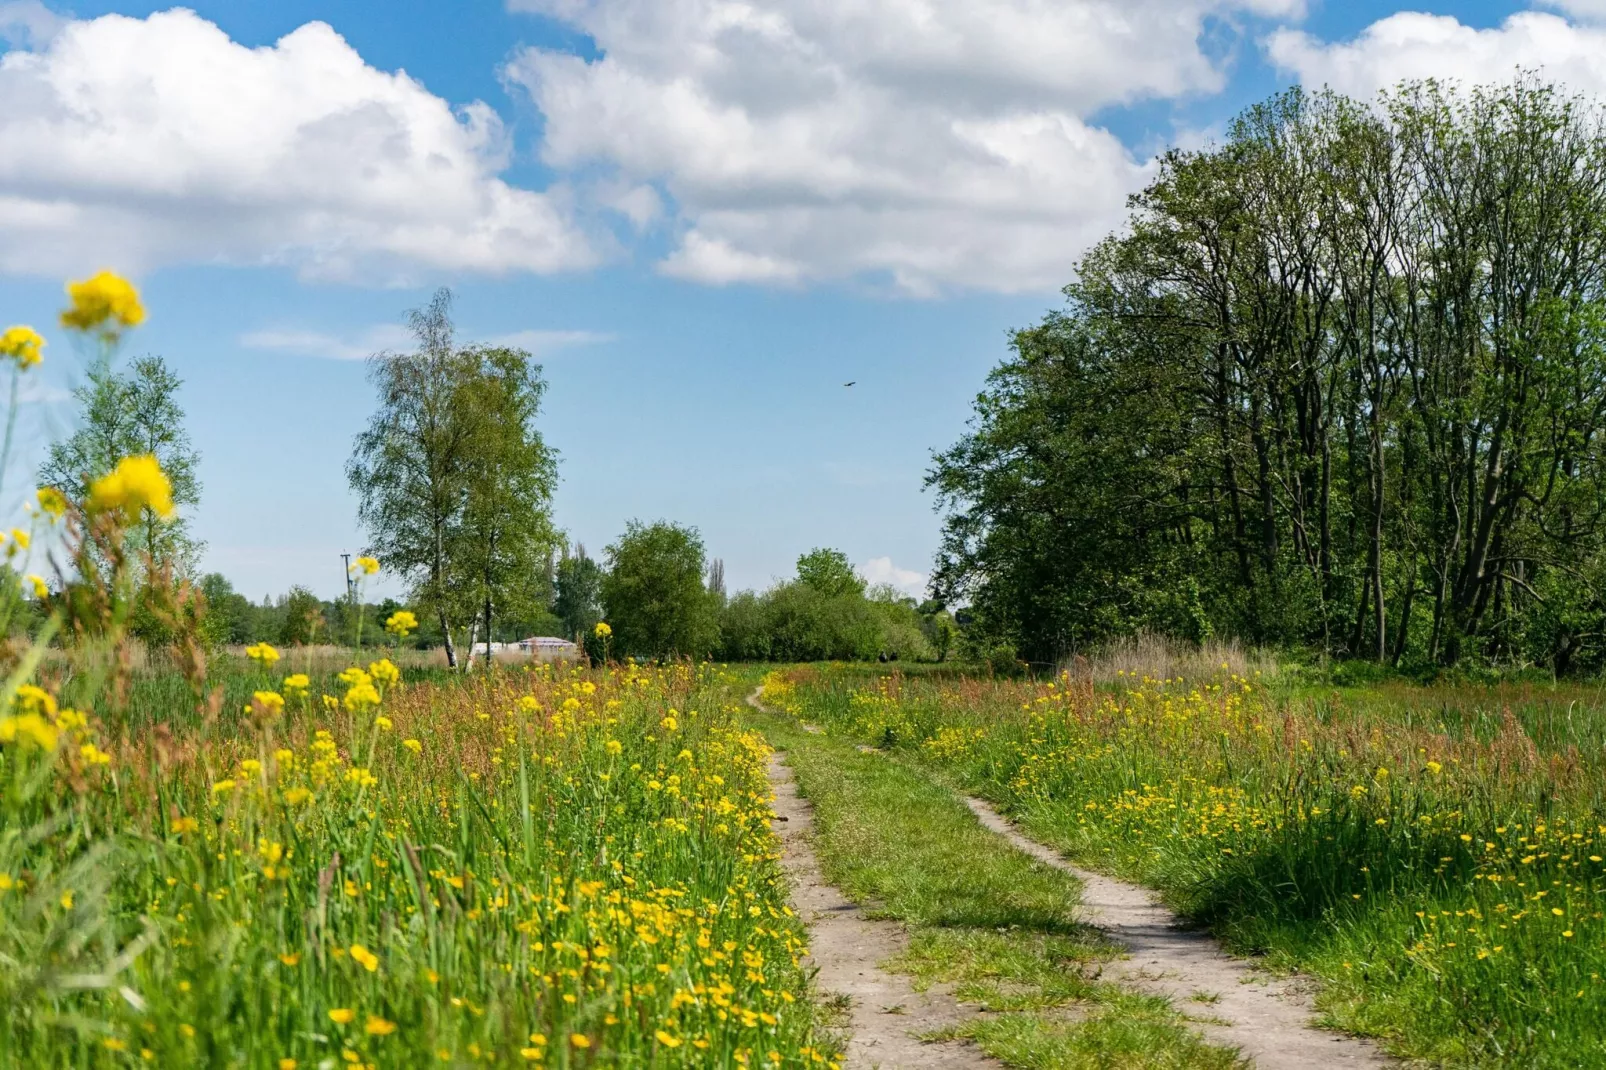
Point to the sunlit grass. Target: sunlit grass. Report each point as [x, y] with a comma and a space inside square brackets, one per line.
[984, 917]
[1436, 866]
[522, 868]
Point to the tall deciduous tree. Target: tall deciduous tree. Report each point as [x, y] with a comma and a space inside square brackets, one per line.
[578, 597]
[1340, 381]
[506, 534]
[654, 595]
[124, 414]
[453, 480]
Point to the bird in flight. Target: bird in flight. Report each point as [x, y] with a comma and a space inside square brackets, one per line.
[850, 384]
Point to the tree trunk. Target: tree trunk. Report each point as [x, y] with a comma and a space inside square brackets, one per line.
[451, 651]
[488, 651]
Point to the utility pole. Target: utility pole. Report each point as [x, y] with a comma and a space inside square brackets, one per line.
[351, 590]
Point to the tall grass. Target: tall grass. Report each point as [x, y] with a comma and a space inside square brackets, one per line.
[542, 867]
[1442, 872]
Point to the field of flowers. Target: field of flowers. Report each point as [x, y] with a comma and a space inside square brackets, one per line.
[537, 867]
[1442, 875]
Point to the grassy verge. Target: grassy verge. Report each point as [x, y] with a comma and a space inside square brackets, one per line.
[981, 915]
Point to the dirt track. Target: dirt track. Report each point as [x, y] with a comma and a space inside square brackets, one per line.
[1267, 1019]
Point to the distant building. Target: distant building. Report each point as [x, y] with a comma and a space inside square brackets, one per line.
[547, 648]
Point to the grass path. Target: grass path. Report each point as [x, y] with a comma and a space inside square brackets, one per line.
[985, 933]
[885, 1015]
[1266, 1019]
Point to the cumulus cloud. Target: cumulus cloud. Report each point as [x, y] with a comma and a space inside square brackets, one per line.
[1412, 46]
[941, 144]
[384, 338]
[27, 23]
[879, 570]
[140, 142]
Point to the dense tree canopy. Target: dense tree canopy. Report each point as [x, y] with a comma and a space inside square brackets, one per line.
[653, 591]
[1340, 382]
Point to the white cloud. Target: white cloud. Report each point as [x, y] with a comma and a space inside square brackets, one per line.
[941, 143]
[1416, 46]
[541, 342]
[28, 23]
[139, 142]
[388, 338]
[1581, 9]
[879, 570]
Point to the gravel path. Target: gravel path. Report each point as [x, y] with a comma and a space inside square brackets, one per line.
[1268, 1019]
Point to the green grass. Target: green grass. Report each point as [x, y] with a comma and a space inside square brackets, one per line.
[982, 916]
[1431, 854]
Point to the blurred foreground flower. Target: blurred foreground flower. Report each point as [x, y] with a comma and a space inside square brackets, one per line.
[136, 483]
[23, 345]
[106, 304]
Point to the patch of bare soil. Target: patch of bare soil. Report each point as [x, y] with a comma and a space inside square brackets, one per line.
[1267, 1019]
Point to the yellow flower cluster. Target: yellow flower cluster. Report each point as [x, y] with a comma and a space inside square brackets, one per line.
[22, 345]
[401, 624]
[104, 304]
[137, 483]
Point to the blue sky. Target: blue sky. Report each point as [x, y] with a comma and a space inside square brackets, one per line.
[704, 217]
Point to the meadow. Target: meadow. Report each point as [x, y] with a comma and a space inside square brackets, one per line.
[542, 866]
[1433, 856]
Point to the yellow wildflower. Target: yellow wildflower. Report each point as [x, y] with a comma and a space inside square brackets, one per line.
[23, 345]
[366, 566]
[105, 304]
[367, 959]
[296, 685]
[20, 538]
[384, 672]
[41, 590]
[360, 698]
[342, 1015]
[400, 623]
[33, 699]
[268, 703]
[413, 745]
[580, 1040]
[262, 653]
[222, 787]
[52, 501]
[602, 630]
[136, 483]
[379, 1027]
[28, 728]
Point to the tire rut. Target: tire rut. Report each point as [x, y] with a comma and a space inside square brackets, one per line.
[1268, 1019]
[886, 1014]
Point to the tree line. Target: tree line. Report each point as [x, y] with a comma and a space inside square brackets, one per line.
[454, 484]
[1338, 382]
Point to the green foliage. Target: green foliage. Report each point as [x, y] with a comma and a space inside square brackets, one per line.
[577, 602]
[828, 572]
[1337, 383]
[454, 480]
[654, 595]
[825, 614]
[124, 414]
